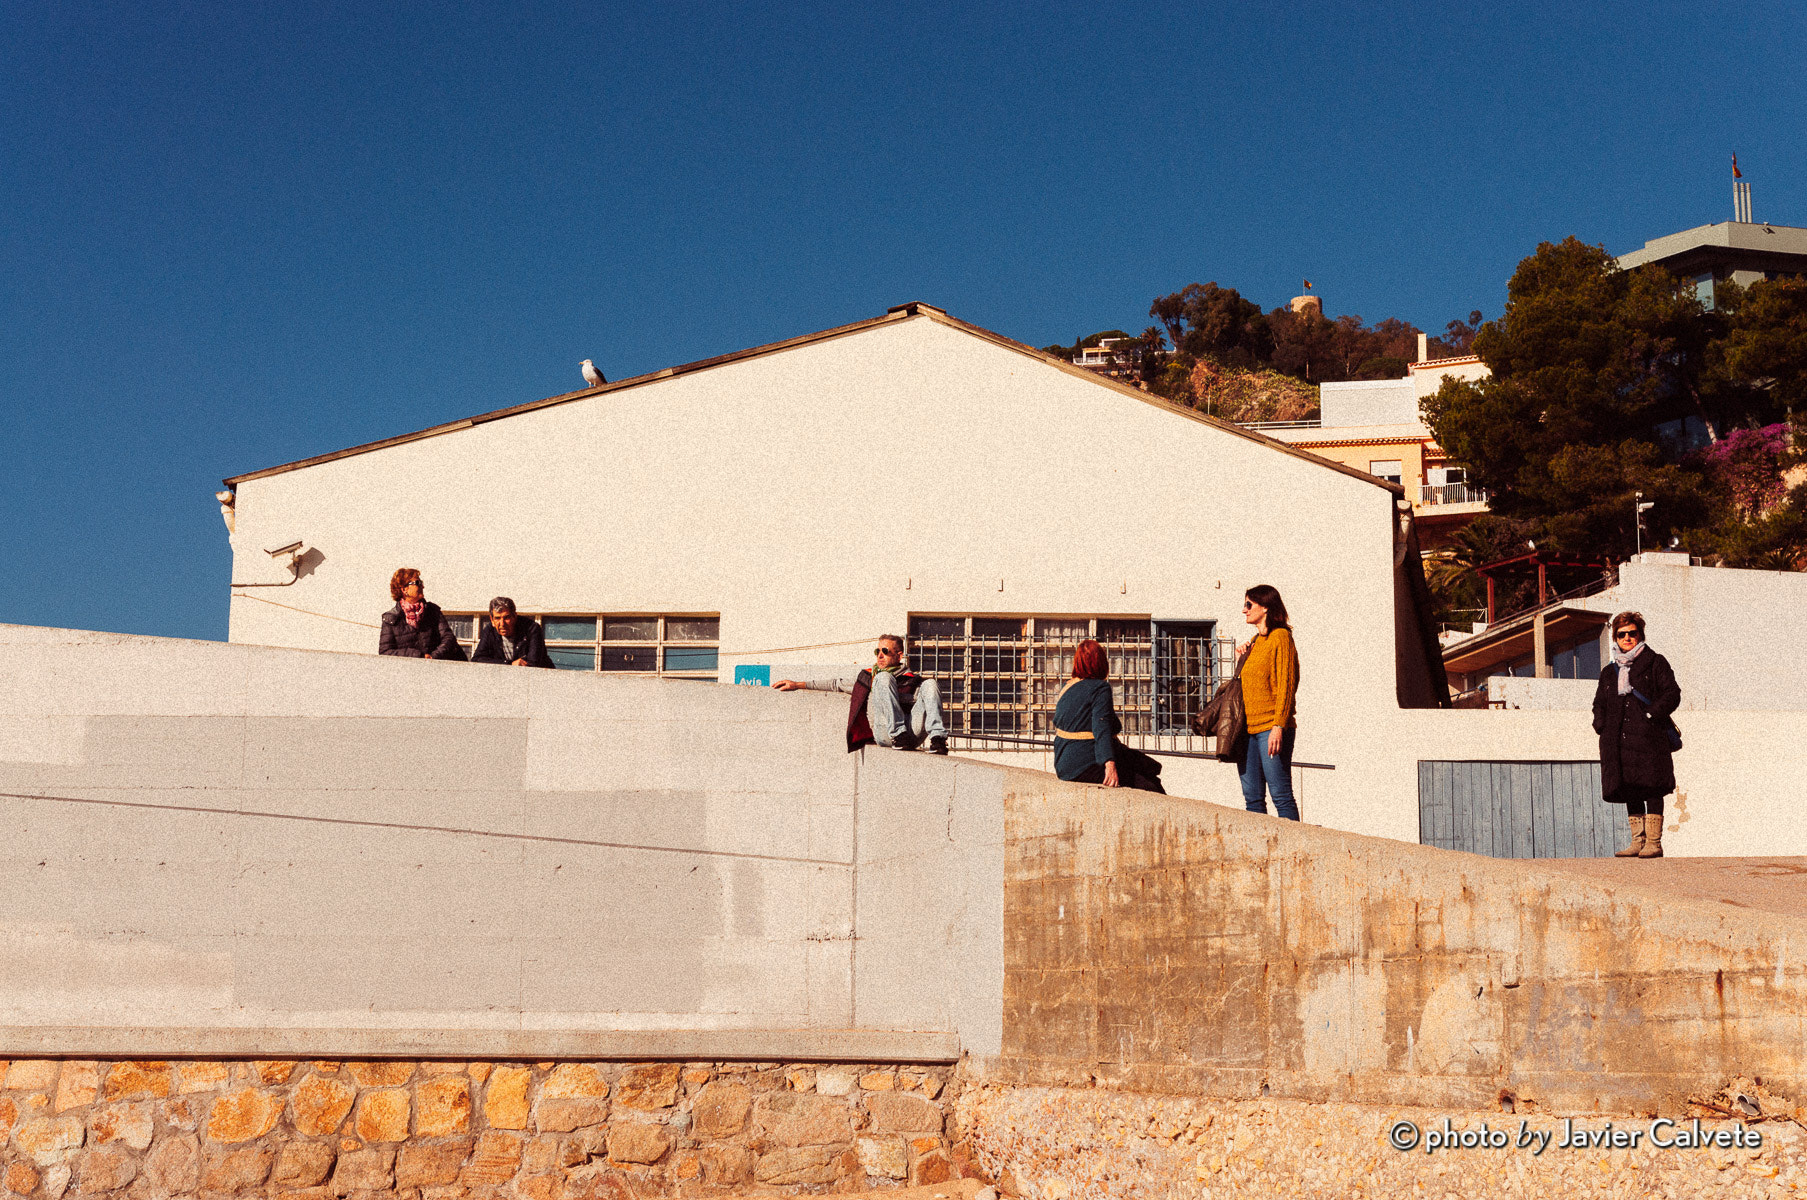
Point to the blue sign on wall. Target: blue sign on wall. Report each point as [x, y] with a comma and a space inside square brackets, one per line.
[760, 676]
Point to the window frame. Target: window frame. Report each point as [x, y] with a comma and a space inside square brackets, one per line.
[659, 643]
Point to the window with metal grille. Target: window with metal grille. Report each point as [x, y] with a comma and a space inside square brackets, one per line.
[679, 647]
[1003, 675]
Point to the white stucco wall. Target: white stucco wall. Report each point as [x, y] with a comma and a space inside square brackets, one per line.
[365, 851]
[825, 493]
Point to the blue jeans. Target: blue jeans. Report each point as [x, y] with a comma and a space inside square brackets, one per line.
[1258, 767]
[891, 724]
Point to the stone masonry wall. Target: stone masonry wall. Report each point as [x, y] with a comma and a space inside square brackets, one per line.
[285, 1130]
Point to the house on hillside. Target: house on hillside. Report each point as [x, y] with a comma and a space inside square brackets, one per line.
[1375, 425]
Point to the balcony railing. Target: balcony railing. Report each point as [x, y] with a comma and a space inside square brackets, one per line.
[1449, 493]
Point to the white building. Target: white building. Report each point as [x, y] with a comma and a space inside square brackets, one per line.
[775, 510]
[771, 512]
[1710, 623]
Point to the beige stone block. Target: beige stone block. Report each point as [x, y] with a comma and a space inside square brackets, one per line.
[648, 1087]
[494, 1161]
[431, 1164]
[243, 1115]
[541, 1153]
[505, 1102]
[638, 1142]
[106, 1170]
[48, 1140]
[236, 1170]
[540, 1187]
[726, 1164]
[479, 1071]
[199, 1076]
[302, 1165]
[563, 1116]
[429, 1070]
[720, 1110]
[381, 1074]
[364, 1171]
[127, 1124]
[799, 1164]
[22, 1177]
[273, 1071]
[900, 1112]
[803, 1119]
[834, 1082]
[140, 1081]
[696, 1076]
[31, 1075]
[184, 1114]
[77, 1084]
[801, 1080]
[382, 1115]
[55, 1181]
[574, 1081]
[443, 1106]
[884, 1157]
[878, 1081]
[318, 1105]
[174, 1164]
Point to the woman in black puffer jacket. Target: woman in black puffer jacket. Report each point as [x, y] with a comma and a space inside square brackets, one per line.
[1632, 710]
[415, 628]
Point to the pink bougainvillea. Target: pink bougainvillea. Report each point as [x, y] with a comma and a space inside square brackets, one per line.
[1749, 462]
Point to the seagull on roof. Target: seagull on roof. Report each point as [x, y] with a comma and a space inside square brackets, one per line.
[592, 376]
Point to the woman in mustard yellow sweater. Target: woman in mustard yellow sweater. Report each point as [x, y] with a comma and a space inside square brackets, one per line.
[1270, 682]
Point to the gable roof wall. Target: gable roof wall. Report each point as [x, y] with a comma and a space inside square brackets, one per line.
[902, 312]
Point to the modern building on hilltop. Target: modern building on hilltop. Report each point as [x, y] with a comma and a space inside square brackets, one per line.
[1740, 252]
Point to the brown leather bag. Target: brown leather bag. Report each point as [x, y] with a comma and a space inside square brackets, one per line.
[1225, 719]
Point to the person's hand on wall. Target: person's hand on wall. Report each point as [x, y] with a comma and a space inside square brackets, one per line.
[1110, 774]
[789, 685]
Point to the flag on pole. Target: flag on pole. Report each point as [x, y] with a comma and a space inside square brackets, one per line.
[1308, 285]
[1736, 173]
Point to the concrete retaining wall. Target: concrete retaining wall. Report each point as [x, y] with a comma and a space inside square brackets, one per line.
[222, 849]
[1165, 945]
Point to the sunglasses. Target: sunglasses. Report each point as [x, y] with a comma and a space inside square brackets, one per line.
[886, 650]
[1625, 633]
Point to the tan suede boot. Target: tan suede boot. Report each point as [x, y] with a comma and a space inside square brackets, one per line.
[1637, 838]
[1653, 836]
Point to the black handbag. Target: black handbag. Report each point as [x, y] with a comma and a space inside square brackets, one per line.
[1670, 730]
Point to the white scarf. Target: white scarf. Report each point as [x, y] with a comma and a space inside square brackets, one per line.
[1624, 659]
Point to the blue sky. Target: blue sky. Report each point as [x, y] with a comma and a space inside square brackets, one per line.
[232, 235]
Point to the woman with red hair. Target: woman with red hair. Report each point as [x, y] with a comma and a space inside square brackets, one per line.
[1086, 749]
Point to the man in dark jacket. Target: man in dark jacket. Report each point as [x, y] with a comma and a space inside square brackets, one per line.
[890, 705]
[511, 638]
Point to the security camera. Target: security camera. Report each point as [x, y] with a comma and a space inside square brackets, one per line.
[291, 548]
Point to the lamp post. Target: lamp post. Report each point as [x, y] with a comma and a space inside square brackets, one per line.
[1643, 506]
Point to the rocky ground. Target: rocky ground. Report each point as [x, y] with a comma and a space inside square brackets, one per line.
[1087, 1144]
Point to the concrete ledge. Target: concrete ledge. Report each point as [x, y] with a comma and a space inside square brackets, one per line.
[689, 1045]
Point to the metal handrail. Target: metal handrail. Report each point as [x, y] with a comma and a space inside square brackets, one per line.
[998, 737]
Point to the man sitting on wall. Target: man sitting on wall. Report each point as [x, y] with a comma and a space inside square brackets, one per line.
[511, 638]
[891, 706]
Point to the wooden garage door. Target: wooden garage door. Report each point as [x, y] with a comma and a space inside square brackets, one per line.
[1518, 809]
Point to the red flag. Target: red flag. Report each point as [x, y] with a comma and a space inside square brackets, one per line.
[1308, 285]
[1736, 173]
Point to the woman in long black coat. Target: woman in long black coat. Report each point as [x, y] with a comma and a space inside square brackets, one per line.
[1632, 711]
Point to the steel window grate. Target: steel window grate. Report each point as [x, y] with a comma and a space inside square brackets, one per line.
[1003, 675]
